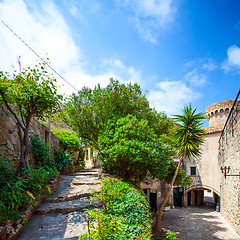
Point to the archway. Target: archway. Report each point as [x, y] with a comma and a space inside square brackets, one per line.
[202, 195]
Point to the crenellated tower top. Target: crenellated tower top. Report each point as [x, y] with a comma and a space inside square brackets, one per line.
[217, 113]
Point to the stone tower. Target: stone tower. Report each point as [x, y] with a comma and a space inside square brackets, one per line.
[217, 113]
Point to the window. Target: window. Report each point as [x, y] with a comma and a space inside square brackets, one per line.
[193, 171]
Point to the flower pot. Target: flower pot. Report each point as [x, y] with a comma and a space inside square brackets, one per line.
[166, 209]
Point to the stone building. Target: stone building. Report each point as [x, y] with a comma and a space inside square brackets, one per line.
[218, 150]
[205, 170]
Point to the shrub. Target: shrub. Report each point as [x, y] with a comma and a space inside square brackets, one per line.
[17, 193]
[36, 179]
[63, 158]
[69, 141]
[7, 170]
[170, 236]
[125, 213]
[167, 204]
[41, 152]
[13, 200]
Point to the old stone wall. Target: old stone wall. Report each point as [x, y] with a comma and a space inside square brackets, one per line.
[229, 155]
[9, 135]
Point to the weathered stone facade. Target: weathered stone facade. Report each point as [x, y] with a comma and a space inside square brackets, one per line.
[9, 135]
[229, 156]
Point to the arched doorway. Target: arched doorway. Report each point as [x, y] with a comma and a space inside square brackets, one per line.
[201, 196]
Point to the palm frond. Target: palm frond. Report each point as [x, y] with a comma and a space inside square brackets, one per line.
[189, 132]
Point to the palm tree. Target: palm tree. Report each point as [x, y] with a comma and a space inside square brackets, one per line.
[188, 136]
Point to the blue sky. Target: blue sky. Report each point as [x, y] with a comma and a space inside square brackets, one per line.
[181, 52]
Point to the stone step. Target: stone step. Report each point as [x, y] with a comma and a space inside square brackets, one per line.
[57, 226]
[73, 192]
[66, 207]
[91, 170]
[92, 173]
[81, 182]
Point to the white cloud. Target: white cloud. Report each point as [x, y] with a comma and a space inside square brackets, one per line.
[195, 78]
[210, 65]
[233, 59]
[150, 16]
[171, 96]
[112, 68]
[73, 10]
[45, 30]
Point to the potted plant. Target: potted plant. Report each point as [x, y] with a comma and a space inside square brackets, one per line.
[167, 206]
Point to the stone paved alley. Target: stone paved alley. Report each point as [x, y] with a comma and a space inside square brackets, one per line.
[198, 223]
[59, 217]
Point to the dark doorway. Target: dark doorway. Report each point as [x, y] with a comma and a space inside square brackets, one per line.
[196, 196]
[152, 198]
[178, 196]
[153, 202]
[189, 198]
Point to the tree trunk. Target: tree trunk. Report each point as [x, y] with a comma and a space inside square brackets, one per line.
[25, 149]
[160, 211]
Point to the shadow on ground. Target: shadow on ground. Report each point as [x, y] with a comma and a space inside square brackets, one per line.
[201, 222]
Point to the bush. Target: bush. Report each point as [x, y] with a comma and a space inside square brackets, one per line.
[17, 193]
[36, 179]
[125, 213]
[63, 158]
[167, 204]
[68, 141]
[41, 152]
[13, 200]
[170, 236]
[7, 170]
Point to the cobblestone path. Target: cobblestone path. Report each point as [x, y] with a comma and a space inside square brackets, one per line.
[59, 217]
[198, 223]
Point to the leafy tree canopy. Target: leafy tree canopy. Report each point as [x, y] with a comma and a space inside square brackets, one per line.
[132, 139]
[89, 111]
[131, 150]
[29, 94]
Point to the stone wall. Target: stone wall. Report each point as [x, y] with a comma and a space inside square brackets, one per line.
[229, 155]
[9, 135]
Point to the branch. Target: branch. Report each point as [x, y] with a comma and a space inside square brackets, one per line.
[11, 111]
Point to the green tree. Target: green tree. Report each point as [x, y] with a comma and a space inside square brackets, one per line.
[188, 136]
[131, 150]
[29, 94]
[89, 111]
[132, 139]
